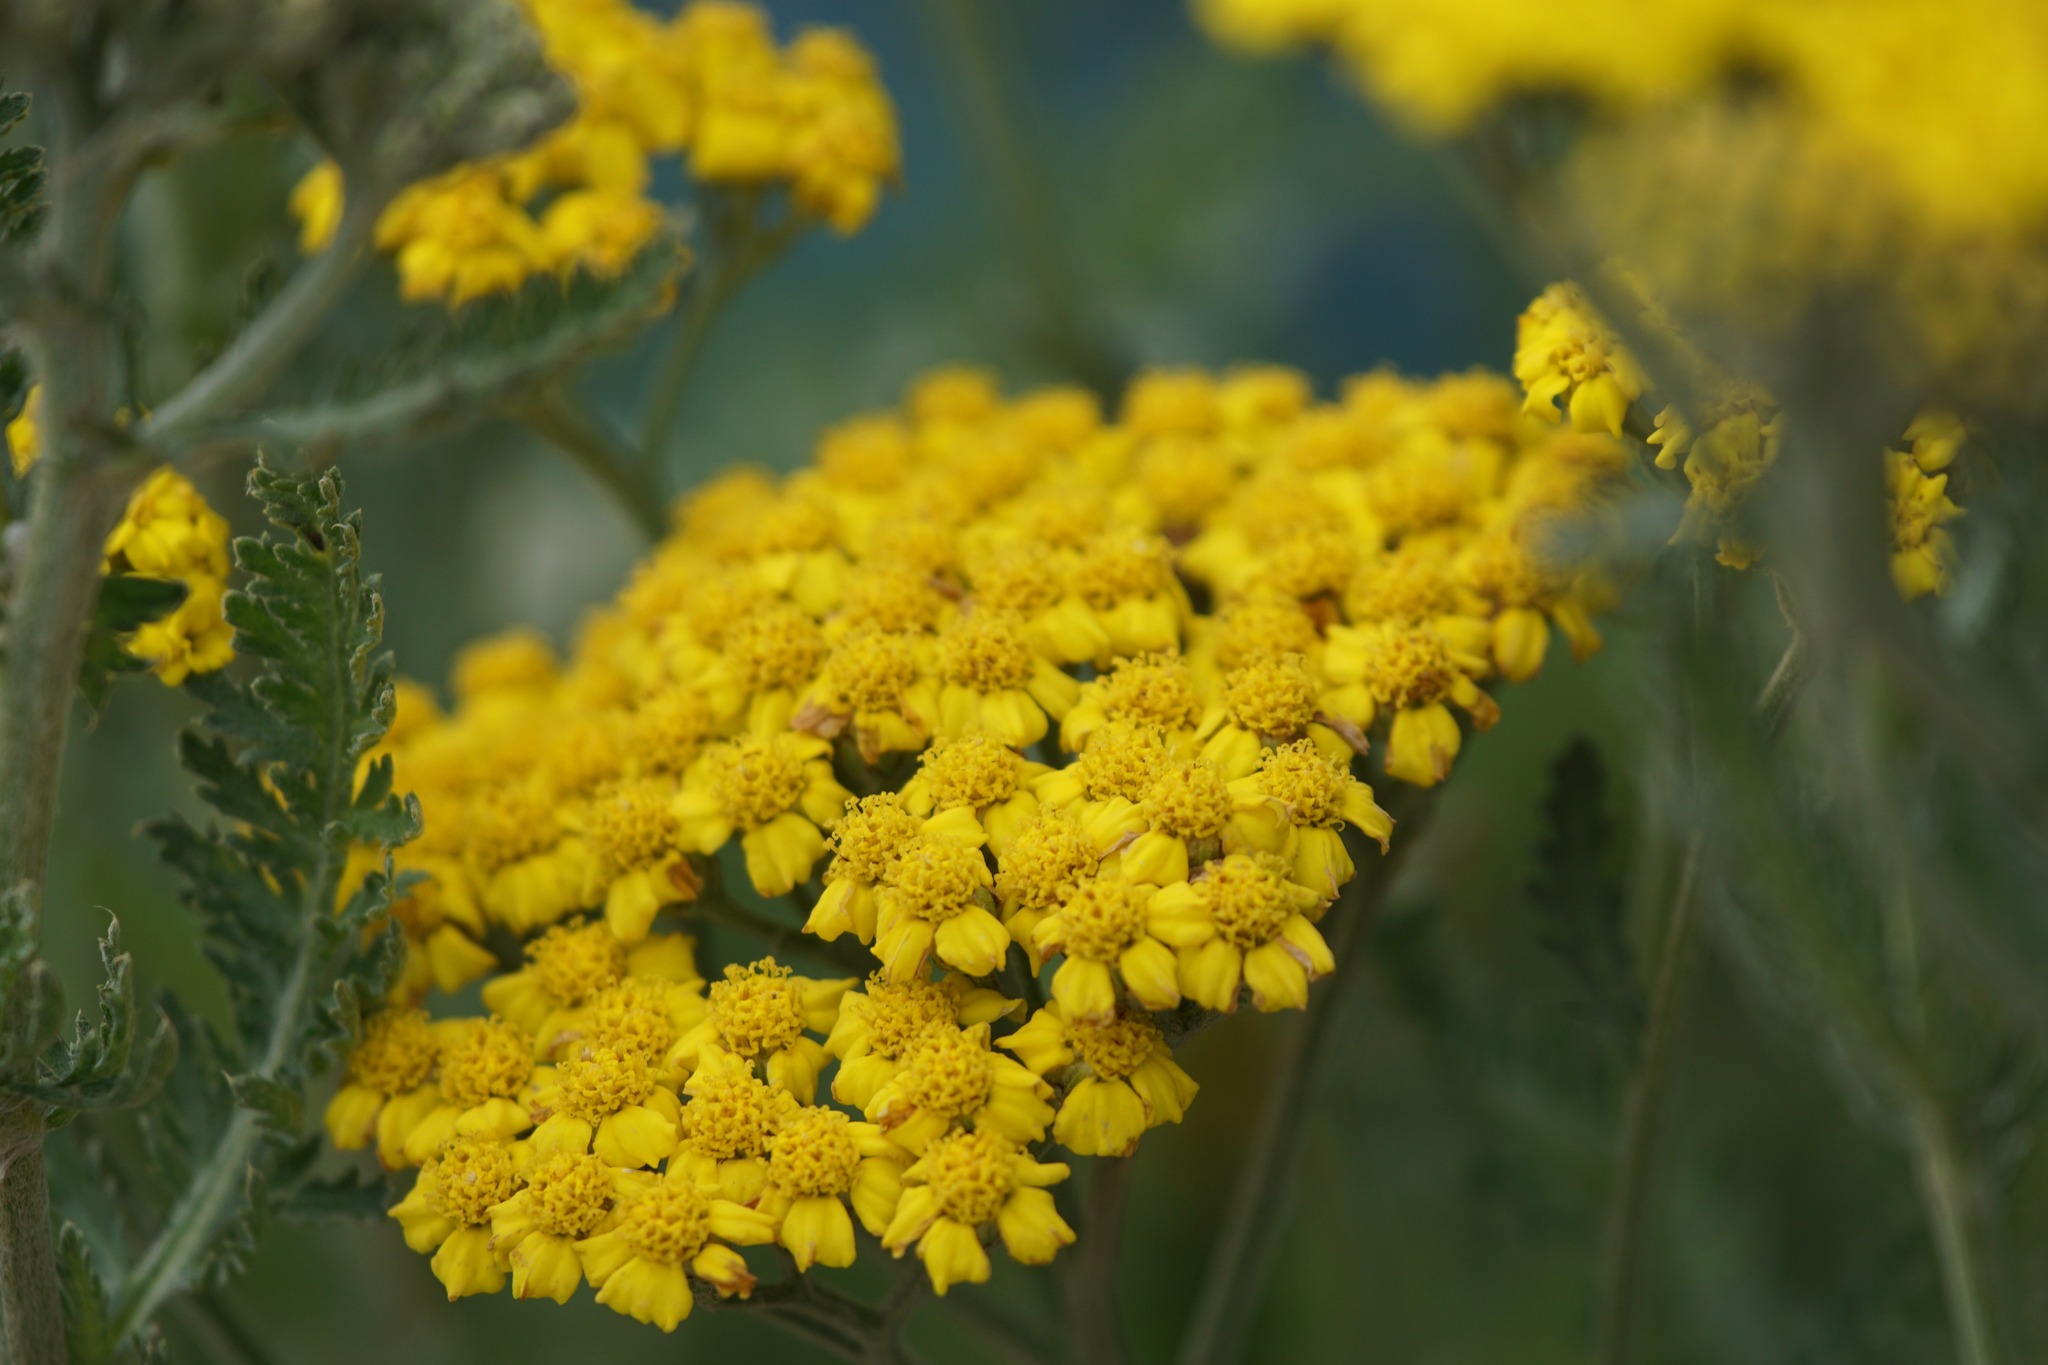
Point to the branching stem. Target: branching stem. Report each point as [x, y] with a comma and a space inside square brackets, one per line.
[256, 357]
[561, 419]
[739, 248]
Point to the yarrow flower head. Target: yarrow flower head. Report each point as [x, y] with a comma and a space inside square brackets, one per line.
[1102, 686]
[710, 85]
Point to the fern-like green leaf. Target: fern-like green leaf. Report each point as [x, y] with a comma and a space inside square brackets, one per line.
[1577, 901]
[102, 1067]
[31, 999]
[85, 1297]
[126, 602]
[281, 756]
[21, 174]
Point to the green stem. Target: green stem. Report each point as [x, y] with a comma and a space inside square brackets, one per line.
[1233, 1286]
[1945, 1195]
[1019, 197]
[31, 1304]
[1642, 1120]
[999, 1333]
[226, 1341]
[1774, 707]
[737, 251]
[74, 505]
[190, 1226]
[1094, 1335]
[846, 1327]
[47, 617]
[1940, 1169]
[565, 423]
[905, 1295]
[256, 357]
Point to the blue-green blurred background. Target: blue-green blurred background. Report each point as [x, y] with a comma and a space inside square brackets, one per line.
[1210, 210]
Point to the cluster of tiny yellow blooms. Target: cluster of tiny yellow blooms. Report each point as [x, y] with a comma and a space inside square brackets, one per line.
[1565, 351]
[1933, 96]
[709, 83]
[1060, 717]
[167, 531]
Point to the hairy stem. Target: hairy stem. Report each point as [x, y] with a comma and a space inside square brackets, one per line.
[1233, 1286]
[1642, 1118]
[565, 423]
[256, 357]
[31, 1305]
[79, 493]
[47, 619]
[75, 504]
[1094, 1334]
[1945, 1195]
[1018, 195]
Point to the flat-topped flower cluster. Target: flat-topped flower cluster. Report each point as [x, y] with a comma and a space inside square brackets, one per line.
[1062, 718]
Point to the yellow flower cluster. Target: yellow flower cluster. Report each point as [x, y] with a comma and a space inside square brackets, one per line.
[1058, 716]
[709, 83]
[169, 532]
[1923, 553]
[1931, 96]
[1729, 441]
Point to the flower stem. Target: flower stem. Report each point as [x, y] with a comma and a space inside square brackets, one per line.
[1095, 1336]
[47, 616]
[562, 420]
[737, 251]
[31, 1306]
[1945, 1195]
[260, 353]
[1774, 707]
[1233, 1286]
[1642, 1119]
[1000, 1334]
[1018, 195]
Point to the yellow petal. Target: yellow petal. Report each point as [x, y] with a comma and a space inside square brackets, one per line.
[953, 1254]
[464, 1265]
[545, 1267]
[1100, 1118]
[1032, 1228]
[974, 942]
[818, 1231]
[648, 1292]
[636, 1136]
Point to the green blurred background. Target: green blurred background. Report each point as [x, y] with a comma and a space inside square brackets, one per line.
[1210, 210]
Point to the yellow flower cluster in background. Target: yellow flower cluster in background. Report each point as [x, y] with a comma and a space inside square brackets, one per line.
[1059, 717]
[709, 84]
[168, 532]
[1725, 435]
[1934, 96]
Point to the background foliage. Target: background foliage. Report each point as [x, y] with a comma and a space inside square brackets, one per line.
[1212, 210]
